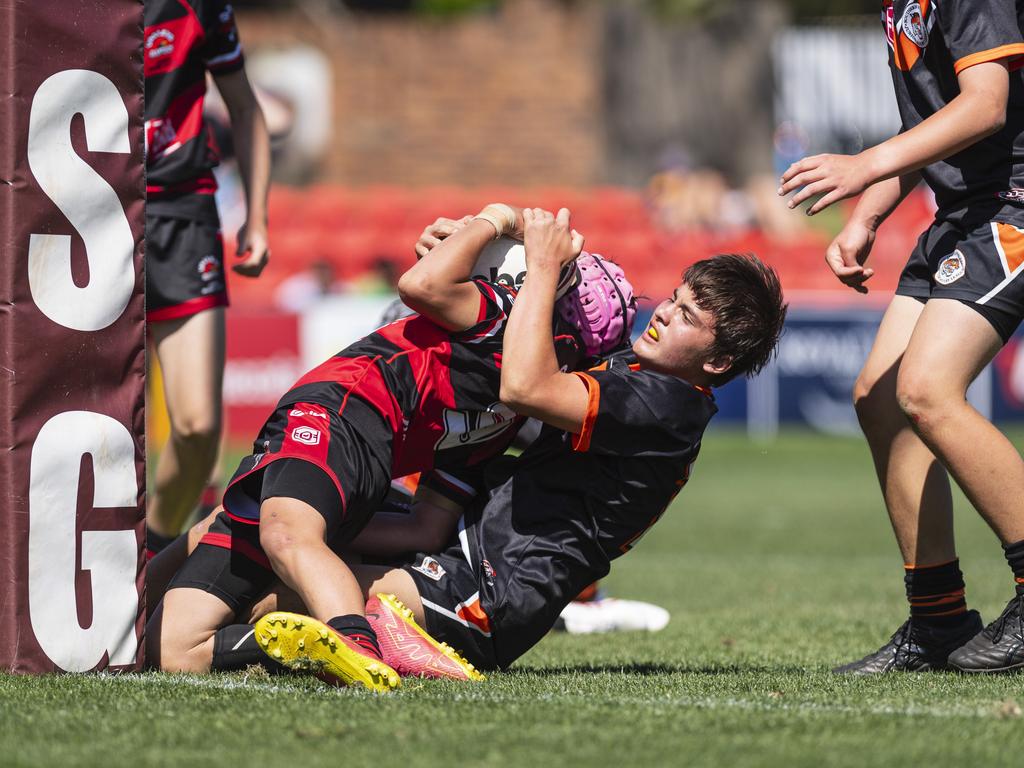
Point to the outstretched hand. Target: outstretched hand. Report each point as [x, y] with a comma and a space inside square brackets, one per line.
[549, 238]
[834, 177]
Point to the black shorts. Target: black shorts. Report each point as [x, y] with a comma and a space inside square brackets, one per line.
[228, 563]
[336, 453]
[979, 265]
[184, 263]
[449, 589]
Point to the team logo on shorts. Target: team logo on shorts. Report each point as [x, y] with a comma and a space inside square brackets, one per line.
[914, 26]
[306, 435]
[430, 568]
[209, 268]
[951, 268]
[1014, 195]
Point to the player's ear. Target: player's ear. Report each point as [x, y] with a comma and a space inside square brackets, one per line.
[718, 366]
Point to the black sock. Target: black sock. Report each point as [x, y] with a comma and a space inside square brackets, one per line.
[1015, 557]
[936, 593]
[156, 542]
[235, 647]
[357, 628]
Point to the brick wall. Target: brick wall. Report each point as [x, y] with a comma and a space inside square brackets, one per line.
[510, 98]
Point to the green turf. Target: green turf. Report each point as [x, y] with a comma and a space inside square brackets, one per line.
[776, 562]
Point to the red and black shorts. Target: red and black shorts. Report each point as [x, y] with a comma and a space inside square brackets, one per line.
[978, 264]
[333, 454]
[184, 259]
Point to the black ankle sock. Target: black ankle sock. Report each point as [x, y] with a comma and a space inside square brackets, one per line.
[1015, 557]
[936, 593]
[156, 542]
[357, 628]
[235, 647]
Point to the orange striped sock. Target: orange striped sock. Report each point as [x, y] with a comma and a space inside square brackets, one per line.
[1015, 557]
[935, 592]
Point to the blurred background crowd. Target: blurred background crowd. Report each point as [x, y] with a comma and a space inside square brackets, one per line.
[662, 124]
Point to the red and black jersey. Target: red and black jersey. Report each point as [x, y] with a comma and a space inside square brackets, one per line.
[553, 519]
[930, 43]
[437, 390]
[184, 39]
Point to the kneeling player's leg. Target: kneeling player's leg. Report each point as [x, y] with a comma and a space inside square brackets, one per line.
[292, 534]
[951, 345]
[180, 635]
[162, 567]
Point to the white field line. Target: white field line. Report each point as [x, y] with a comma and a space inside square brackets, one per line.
[482, 695]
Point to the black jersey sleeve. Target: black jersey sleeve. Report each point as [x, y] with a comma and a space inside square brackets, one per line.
[977, 31]
[495, 304]
[641, 413]
[221, 49]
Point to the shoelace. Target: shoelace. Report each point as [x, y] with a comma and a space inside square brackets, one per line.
[998, 627]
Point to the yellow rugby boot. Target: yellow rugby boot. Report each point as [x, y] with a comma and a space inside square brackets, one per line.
[304, 644]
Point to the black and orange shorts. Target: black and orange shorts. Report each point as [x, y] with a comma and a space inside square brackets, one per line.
[980, 265]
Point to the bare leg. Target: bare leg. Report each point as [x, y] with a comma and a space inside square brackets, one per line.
[951, 345]
[191, 354]
[179, 637]
[914, 484]
[292, 534]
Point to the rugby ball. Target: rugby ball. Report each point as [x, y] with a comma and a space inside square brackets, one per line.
[504, 261]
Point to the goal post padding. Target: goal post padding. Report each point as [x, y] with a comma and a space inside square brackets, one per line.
[72, 330]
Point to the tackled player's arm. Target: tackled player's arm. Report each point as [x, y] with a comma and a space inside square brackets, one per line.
[427, 527]
[252, 149]
[438, 286]
[532, 384]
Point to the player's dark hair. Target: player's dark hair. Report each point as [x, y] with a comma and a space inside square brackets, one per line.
[744, 296]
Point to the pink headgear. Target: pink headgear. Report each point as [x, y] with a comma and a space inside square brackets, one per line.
[601, 305]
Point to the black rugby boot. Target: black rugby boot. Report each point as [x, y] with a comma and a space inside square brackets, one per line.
[916, 647]
[999, 647]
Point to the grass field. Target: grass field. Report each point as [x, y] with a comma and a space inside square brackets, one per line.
[776, 562]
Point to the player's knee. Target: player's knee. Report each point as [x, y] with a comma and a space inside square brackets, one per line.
[919, 399]
[199, 431]
[872, 397]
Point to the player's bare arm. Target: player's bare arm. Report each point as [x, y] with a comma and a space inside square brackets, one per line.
[847, 254]
[531, 382]
[427, 527]
[252, 148]
[439, 285]
[978, 111]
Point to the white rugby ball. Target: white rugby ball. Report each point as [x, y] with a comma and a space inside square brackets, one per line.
[504, 261]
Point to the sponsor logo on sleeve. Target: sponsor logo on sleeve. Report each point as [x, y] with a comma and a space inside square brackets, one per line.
[951, 268]
[306, 435]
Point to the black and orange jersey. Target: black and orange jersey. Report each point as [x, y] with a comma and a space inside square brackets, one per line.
[548, 523]
[930, 43]
[184, 39]
[437, 390]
